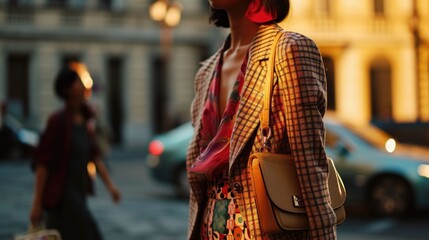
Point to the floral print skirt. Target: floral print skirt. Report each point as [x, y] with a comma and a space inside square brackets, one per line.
[222, 218]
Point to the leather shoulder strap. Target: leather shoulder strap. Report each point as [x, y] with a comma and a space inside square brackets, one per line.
[269, 78]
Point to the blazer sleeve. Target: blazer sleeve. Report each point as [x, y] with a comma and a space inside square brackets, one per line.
[44, 151]
[303, 87]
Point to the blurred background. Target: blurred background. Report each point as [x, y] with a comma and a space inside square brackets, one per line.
[143, 56]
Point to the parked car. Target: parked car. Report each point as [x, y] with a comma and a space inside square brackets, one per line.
[16, 139]
[380, 174]
[166, 157]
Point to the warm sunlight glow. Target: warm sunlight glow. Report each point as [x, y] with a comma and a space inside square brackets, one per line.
[390, 145]
[92, 170]
[83, 73]
[86, 80]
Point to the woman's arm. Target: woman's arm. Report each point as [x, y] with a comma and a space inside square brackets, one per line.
[101, 167]
[42, 159]
[303, 83]
[37, 208]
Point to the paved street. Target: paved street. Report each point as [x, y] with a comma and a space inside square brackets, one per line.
[150, 210]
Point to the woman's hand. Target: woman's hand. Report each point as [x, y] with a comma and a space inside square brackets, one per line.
[36, 214]
[115, 194]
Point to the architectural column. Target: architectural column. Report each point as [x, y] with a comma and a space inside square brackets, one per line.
[136, 131]
[49, 65]
[181, 86]
[34, 83]
[353, 98]
[405, 90]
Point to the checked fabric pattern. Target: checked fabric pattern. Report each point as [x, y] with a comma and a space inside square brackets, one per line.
[297, 107]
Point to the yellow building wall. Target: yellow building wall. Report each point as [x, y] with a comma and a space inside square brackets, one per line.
[353, 36]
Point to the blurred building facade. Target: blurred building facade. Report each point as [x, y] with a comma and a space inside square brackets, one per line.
[376, 53]
[120, 45]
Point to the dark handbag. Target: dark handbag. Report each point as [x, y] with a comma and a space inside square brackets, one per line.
[277, 191]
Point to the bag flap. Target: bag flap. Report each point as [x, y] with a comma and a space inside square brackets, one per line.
[281, 182]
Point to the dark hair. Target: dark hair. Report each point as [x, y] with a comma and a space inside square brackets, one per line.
[65, 78]
[279, 8]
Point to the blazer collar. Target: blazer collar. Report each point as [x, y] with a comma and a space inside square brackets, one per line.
[247, 117]
[260, 47]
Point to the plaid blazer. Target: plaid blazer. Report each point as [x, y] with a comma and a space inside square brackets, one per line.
[298, 104]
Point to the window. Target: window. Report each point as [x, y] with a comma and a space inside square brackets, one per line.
[12, 2]
[381, 90]
[114, 101]
[159, 94]
[18, 67]
[379, 7]
[57, 3]
[107, 4]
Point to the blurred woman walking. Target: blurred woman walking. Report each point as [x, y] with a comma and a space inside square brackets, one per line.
[66, 149]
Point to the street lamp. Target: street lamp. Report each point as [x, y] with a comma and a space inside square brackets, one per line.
[167, 13]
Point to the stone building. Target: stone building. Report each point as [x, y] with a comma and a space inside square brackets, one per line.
[376, 53]
[138, 91]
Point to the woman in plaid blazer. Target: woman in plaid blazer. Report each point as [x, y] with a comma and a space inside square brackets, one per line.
[298, 105]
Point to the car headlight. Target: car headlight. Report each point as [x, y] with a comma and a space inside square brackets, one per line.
[423, 170]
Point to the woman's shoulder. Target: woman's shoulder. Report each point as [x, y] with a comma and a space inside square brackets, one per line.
[297, 42]
[296, 38]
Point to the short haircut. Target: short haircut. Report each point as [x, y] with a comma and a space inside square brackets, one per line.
[279, 8]
[64, 80]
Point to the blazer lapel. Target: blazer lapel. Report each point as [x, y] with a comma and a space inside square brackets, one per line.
[247, 118]
[206, 76]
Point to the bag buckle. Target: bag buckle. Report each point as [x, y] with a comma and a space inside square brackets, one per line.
[265, 136]
[298, 201]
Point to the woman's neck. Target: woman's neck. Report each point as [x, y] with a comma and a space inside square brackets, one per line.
[242, 30]
[75, 109]
[74, 106]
